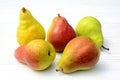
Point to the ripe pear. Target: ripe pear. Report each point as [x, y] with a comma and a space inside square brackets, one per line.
[81, 53]
[60, 33]
[89, 26]
[39, 54]
[29, 28]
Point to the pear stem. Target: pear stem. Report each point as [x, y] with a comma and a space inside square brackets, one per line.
[58, 15]
[60, 69]
[57, 70]
[23, 9]
[105, 47]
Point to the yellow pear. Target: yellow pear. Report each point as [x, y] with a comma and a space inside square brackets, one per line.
[29, 28]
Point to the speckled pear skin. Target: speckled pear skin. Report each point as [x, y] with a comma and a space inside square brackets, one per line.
[90, 27]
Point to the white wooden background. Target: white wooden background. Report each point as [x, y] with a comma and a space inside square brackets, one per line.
[106, 11]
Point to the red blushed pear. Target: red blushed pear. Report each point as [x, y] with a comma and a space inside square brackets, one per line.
[39, 54]
[19, 53]
[60, 33]
[81, 53]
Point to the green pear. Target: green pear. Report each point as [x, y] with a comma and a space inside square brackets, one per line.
[29, 28]
[81, 53]
[90, 27]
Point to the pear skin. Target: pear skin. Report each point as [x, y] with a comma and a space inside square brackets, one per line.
[19, 53]
[29, 28]
[60, 33]
[81, 53]
[39, 54]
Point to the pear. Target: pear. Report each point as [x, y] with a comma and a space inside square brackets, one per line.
[81, 53]
[60, 33]
[29, 28]
[39, 54]
[91, 27]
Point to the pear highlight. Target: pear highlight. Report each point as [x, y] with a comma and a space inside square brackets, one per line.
[29, 28]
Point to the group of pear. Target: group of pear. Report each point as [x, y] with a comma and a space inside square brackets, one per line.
[79, 48]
